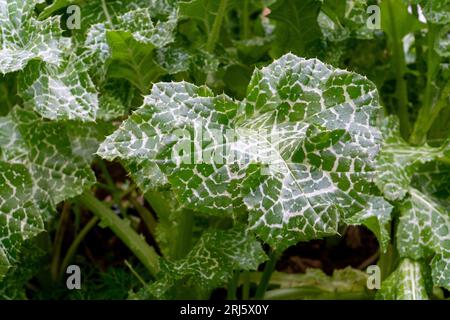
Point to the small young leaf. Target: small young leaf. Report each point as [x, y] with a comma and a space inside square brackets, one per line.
[398, 161]
[297, 27]
[127, 49]
[340, 20]
[132, 60]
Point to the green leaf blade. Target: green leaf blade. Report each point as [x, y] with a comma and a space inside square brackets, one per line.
[407, 282]
[20, 219]
[60, 93]
[212, 260]
[424, 232]
[299, 159]
[24, 38]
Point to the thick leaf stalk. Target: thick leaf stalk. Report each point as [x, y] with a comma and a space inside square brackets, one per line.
[146, 254]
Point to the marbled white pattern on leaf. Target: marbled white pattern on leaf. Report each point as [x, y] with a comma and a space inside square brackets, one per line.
[20, 218]
[437, 11]
[300, 162]
[212, 261]
[23, 37]
[340, 20]
[55, 85]
[60, 93]
[44, 147]
[424, 232]
[39, 170]
[142, 36]
[407, 282]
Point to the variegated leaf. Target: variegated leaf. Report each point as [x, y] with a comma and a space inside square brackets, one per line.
[24, 38]
[299, 158]
[39, 170]
[424, 233]
[212, 261]
[60, 93]
[437, 11]
[128, 45]
[407, 282]
[20, 218]
[398, 161]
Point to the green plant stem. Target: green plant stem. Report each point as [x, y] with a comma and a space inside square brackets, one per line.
[314, 293]
[57, 243]
[183, 241]
[146, 254]
[135, 273]
[418, 45]
[76, 243]
[105, 187]
[400, 70]
[245, 23]
[232, 286]
[427, 116]
[267, 273]
[147, 217]
[444, 160]
[246, 285]
[127, 191]
[111, 186]
[160, 205]
[430, 109]
[77, 217]
[215, 31]
[432, 62]
[107, 15]
[106, 175]
[387, 262]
